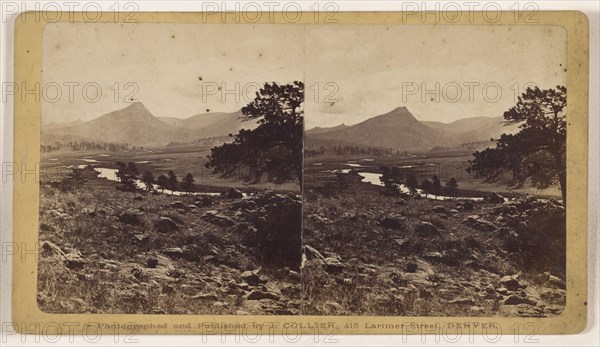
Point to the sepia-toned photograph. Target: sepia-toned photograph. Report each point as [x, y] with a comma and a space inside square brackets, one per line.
[174, 185]
[355, 170]
[435, 181]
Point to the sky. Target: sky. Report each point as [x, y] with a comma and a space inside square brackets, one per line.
[351, 72]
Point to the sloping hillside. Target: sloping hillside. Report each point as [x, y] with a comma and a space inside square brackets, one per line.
[397, 129]
[137, 126]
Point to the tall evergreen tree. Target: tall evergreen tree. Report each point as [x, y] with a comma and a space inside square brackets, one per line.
[275, 146]
[148, 179]
[187, 183]
[536, 153]
[173, 183]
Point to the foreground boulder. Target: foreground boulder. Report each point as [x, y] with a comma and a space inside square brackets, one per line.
[495, 198]
[129, 218]
[333, 264]
[517, 300]
[392, 222]
[439, 209]
[177, 204]
[260, 295]
[165, 225]
[465, 206]
[426, 230]
[475, 222]
[217, 218]
[278, 223]
[203, 201]
[510, 282]
[72, 260]
[251, 277]
[233, 193]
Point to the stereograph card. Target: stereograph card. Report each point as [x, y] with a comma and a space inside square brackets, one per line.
[348, 173]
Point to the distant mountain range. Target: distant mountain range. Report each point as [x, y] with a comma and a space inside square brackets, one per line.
[137, 126]
[400, 130]
[397, 129]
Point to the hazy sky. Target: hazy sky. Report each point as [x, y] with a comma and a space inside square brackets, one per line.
[351, 72]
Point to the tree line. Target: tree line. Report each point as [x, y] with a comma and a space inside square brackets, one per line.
[129, 174]
[433, 186]
[350, 150]
[86, 146]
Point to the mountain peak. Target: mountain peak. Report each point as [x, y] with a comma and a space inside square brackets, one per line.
[138, 105]
[399, 114]
[135, 109]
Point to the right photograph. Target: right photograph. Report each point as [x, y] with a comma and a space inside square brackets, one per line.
[434, 171]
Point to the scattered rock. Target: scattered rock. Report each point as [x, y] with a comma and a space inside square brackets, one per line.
[203, 201]
[462, 302]
[392, 222]
[502, 291]
[177, 204]
[72, 260]
[260, 295]
[173, 252]
[402, 242]
[244, 204]
[411, 267]
[214, 217]
[138, 197]
[510, 282]
[251, 277]
[311, 253]
[294, 275]
[49, 247]
[233, 193]
[553, 296]
[152, 263]
[439, 209]
[141, 238]
[475, 222]
[495, 198]
[517, 300]
[433, 256]
[426, 230]
[129, 218]
[333, 264]
[466, 206]
[166, 225]
[204, 296]
[557, 282]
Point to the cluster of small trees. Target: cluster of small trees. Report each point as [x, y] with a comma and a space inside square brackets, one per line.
[433, 186]
[85, 146]
[128, 174]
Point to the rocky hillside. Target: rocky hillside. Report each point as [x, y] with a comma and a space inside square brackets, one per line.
[369, 254]
[106, 251]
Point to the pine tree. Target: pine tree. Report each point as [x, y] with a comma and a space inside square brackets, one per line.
[148, 179]
[172, 181]
[188, 183]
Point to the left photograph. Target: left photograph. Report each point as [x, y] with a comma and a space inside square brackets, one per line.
[171, 169]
